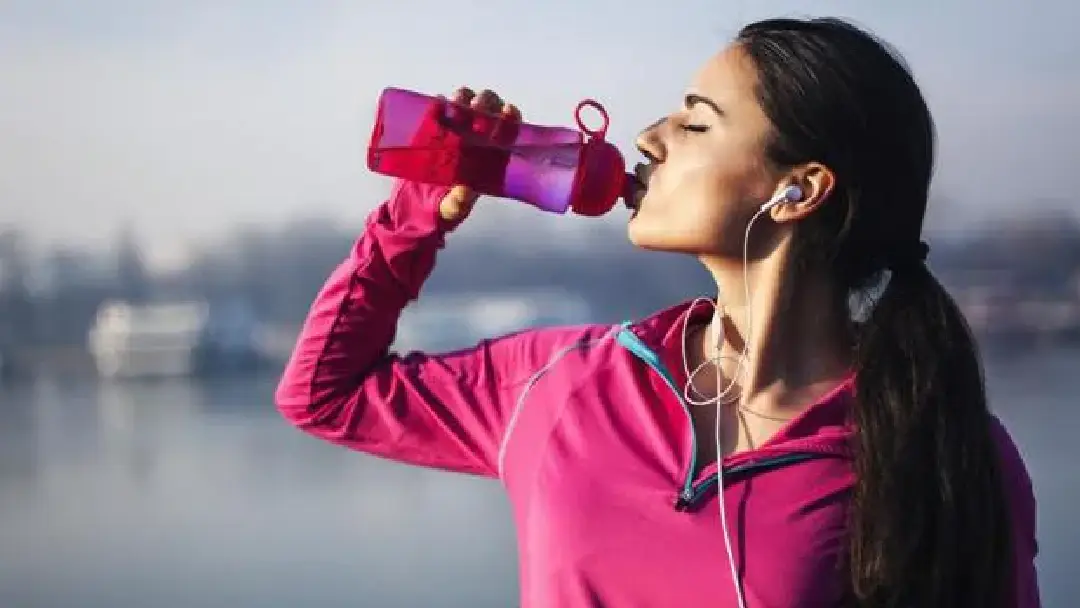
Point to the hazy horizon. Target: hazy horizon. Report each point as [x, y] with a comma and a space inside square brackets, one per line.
[184, 119]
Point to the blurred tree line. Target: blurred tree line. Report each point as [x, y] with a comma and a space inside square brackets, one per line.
[50, 300]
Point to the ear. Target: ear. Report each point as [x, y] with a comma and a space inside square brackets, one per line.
[817, 182]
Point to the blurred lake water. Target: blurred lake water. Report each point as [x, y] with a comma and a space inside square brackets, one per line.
[183, 494]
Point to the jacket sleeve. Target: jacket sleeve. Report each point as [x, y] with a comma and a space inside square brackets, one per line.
[1021, 498]
[342, 384]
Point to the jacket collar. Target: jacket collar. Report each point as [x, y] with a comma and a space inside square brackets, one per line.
[824, 426]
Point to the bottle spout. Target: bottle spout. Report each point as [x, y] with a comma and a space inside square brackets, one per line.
[629, 186]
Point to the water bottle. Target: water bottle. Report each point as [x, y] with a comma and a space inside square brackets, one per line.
[436, 141]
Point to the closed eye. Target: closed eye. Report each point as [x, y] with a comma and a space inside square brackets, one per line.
[694, 128]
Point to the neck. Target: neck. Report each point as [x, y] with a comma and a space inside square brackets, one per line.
[793, 328]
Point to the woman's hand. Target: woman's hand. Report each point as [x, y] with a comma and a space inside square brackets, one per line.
[458, 203]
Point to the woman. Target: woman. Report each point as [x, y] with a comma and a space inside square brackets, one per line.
[860, 463]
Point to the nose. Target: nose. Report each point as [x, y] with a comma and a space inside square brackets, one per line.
[649, 142]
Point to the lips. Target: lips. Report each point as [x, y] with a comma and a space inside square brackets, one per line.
[637, 185]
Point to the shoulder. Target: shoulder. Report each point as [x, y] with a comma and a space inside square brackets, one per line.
[1019, 487]
[518, 355]
[1014, 468]
[545, 341]
[1023, 510]
[540, 349]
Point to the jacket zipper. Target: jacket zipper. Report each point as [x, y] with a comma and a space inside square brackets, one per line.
[631, 342]
[685, 501]
[689, 494]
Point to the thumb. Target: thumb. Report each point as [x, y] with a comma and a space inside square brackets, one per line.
[456, 205]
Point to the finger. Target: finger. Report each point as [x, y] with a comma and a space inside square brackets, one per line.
[506, 129]
[462, 196]
[456, 205]
[511, 112]
[463, 96]
[487, 105]
[488, 101]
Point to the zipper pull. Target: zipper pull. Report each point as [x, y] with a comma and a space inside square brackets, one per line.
[683, 500]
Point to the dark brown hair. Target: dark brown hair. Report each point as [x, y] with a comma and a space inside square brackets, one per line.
[929, 523]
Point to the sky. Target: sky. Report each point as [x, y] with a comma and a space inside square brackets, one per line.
[185, 118]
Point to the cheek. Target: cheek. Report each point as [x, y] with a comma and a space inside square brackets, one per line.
[697, 202]
[687, 214]
[703, 189]
[697, 173]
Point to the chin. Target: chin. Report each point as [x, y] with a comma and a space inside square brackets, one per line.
[639, 234]
[644, 233]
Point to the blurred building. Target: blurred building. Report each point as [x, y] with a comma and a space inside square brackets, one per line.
[173, 339]
[440, 323]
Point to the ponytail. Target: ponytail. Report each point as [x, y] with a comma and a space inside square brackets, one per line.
[929, 527]
[929, 524]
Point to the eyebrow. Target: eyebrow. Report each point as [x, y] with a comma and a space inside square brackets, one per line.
[693, 99]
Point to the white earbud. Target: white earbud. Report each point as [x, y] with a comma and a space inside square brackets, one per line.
[791, 194]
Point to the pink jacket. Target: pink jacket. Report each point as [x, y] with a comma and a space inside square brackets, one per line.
[585, 428]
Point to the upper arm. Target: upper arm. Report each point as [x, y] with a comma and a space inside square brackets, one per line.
[342, 383]
[447, 410]
[438, 410]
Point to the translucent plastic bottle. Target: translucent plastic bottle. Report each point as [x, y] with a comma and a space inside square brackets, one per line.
[434, 140]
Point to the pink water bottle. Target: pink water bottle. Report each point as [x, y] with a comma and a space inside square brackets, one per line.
[436, 141]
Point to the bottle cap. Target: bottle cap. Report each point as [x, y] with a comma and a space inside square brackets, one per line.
[601, 177]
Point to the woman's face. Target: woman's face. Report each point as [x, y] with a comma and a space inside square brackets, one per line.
[708, 174]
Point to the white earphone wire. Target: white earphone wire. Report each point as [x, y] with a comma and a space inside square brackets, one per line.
[742, 360]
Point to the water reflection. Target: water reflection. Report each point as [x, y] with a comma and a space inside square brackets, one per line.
[174, 494]
[178, 494]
